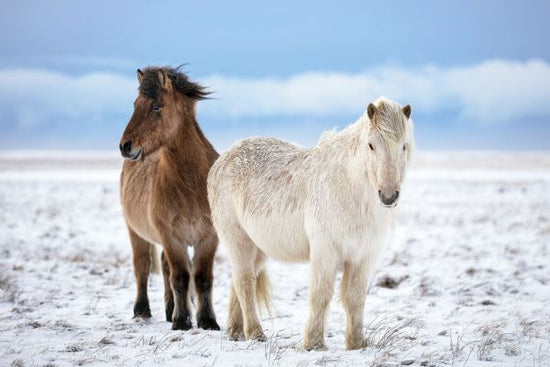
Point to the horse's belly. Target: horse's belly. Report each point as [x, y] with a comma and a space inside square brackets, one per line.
[280, 237]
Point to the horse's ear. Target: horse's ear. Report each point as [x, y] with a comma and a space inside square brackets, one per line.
[165, 80]
[139, 74]
[407, 110]
[371, 110]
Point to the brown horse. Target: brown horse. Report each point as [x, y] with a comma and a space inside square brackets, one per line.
[163, 194]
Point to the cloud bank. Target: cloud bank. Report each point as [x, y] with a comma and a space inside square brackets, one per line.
[35, 98]
[487, 93]
[493, 91]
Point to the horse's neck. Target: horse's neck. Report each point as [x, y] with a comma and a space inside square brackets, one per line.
[342, 152]
[189, 148]
[337, 148]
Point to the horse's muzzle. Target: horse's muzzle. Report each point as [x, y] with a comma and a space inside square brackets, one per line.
[388, 202]
[127, 152]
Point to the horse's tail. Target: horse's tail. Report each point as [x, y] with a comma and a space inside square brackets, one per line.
[263, 291]
[155, 261]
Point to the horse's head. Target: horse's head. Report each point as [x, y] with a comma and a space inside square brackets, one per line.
[389, 146]
[165, 97]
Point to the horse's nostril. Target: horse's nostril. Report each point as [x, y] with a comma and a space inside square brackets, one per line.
[388, 200]
[126, 148]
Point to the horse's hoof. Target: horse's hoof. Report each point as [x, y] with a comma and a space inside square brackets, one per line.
[142, 314]
[183, 323]
[208, 324]
[235, 332]
[356, 344]
[235, 335]
[319, 346]
[142, 310]
[258, 336]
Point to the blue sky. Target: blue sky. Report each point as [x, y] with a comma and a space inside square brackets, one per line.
[477, 73]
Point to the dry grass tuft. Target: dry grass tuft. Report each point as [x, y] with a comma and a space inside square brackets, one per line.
[381, 334]
[387, 338]
[273, 350]
[9, 291]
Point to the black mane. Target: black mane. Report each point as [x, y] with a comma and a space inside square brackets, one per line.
[150, 85]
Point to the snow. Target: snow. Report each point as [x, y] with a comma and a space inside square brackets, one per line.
[466, 280]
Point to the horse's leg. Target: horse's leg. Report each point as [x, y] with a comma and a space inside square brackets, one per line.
[203, 274]
[178, 264]
[245, 287]
[353, 293]
[323, 273]
[141, 256]
[235, 328]
[242, 253]
[168, 295]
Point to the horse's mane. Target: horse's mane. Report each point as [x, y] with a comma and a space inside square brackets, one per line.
[389, 119]
[151, 87]
[326, 135]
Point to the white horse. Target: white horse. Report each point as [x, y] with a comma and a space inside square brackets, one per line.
[329, 205]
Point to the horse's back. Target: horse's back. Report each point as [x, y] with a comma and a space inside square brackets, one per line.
[254, 186]
[252, 162]
[254, 154]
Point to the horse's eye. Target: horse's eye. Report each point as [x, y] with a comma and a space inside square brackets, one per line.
[371, 147]
[404, 146]
[156, 107]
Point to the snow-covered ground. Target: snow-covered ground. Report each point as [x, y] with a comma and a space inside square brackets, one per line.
[465, 282]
